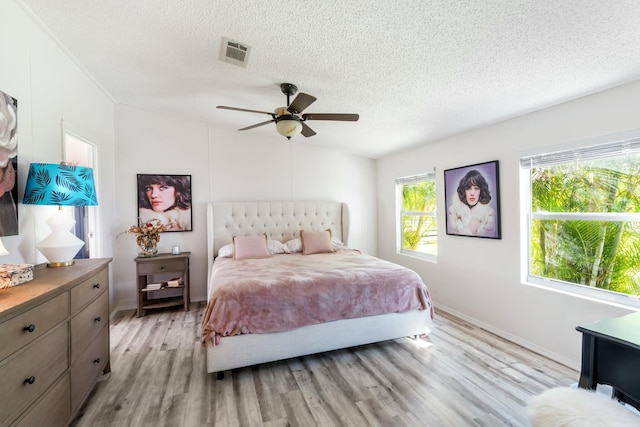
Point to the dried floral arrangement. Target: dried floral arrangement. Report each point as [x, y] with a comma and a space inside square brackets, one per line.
[147, 233]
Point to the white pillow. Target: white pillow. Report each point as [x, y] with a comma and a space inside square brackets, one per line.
[294, 245]
[277, 247]
[226, 251]
[336, 243]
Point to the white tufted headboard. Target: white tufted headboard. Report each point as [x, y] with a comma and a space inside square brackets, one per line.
[280, 220]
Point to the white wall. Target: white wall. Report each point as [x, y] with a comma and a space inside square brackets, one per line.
[227, 165]
[52, 89]
[479, 279]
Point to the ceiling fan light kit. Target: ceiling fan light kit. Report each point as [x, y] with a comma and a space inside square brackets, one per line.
[289, 120]
[288, 125]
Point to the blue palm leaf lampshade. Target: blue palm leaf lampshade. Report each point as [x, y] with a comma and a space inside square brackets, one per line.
[60, 185]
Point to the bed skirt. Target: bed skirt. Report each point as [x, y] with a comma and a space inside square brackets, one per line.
[251, 349]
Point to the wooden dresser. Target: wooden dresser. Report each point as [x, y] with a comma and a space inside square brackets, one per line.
[54, 342]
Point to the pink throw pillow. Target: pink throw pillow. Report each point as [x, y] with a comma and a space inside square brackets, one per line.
[316, 242]
[250, 247]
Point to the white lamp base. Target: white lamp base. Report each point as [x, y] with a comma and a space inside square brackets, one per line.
[61, 245]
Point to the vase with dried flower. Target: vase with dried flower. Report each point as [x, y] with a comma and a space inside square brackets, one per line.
[147, 236]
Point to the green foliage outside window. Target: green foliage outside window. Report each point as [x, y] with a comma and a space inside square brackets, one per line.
[600, 251]
[419, 224]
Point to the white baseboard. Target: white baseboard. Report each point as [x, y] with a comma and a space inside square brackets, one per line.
[518, 340]
[128, 305]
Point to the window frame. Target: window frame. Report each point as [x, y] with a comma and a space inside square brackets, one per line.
[400, 212]
[597, 148]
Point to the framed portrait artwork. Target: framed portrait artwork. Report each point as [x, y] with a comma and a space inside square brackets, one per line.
[8, 165]
[166, 198]
[472, 197]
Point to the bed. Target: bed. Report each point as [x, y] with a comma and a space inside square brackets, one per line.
[283, 222]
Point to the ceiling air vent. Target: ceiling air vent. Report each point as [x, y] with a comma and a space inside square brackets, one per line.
[235, 52]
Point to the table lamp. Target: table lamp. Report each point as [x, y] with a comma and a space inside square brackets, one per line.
[60, 185]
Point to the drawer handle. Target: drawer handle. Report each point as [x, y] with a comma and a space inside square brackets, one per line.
[30, 328]
[97, 286]
[162, 267]
[97, 319]
[30, 380]
[96, 361]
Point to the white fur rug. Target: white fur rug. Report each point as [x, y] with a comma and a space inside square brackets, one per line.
[576, 407]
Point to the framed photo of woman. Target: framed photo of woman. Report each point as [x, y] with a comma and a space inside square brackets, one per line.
[166, 198]
[472, 197]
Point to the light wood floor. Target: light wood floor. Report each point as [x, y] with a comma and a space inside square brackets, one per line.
[458, 376]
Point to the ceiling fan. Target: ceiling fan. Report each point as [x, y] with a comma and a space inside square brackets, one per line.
[289, 120]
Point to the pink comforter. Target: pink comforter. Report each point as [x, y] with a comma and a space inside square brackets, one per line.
[285, 292]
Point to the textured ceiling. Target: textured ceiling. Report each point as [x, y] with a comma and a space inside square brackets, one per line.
[416, 71]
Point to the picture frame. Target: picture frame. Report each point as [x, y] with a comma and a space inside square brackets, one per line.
[472, 199]
[166, 198]
[8, 166]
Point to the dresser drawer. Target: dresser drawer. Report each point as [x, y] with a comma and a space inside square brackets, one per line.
[52, 410]
[14, 333]
[87, 367]
[167, 266]
[43, 362]
[89, 290]
[88, 323]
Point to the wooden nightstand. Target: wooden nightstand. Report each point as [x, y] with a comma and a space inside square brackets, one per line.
[162, 268]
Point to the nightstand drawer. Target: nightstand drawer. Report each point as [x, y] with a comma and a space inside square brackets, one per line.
[167, 266]
[88, 290]
[88, 323]
[14, 333]
[31, 371]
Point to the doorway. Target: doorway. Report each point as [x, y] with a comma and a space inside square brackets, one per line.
[80, 152]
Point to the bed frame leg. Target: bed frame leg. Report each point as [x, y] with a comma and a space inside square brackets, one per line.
[220, 375]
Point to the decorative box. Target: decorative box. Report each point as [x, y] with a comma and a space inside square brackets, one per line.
[15, 274]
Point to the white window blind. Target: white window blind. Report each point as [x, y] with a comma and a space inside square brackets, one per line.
[431, 176]
[600, 151]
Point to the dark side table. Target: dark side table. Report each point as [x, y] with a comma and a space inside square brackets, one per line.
[160, 269]
[611, 355]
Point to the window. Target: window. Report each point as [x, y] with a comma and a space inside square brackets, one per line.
[416, 201]
[584, 219]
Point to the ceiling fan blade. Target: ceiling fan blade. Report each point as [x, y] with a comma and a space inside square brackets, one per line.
[330, 116]
[306, 130]
[259, 124]
[302, 101]
[224, 107]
